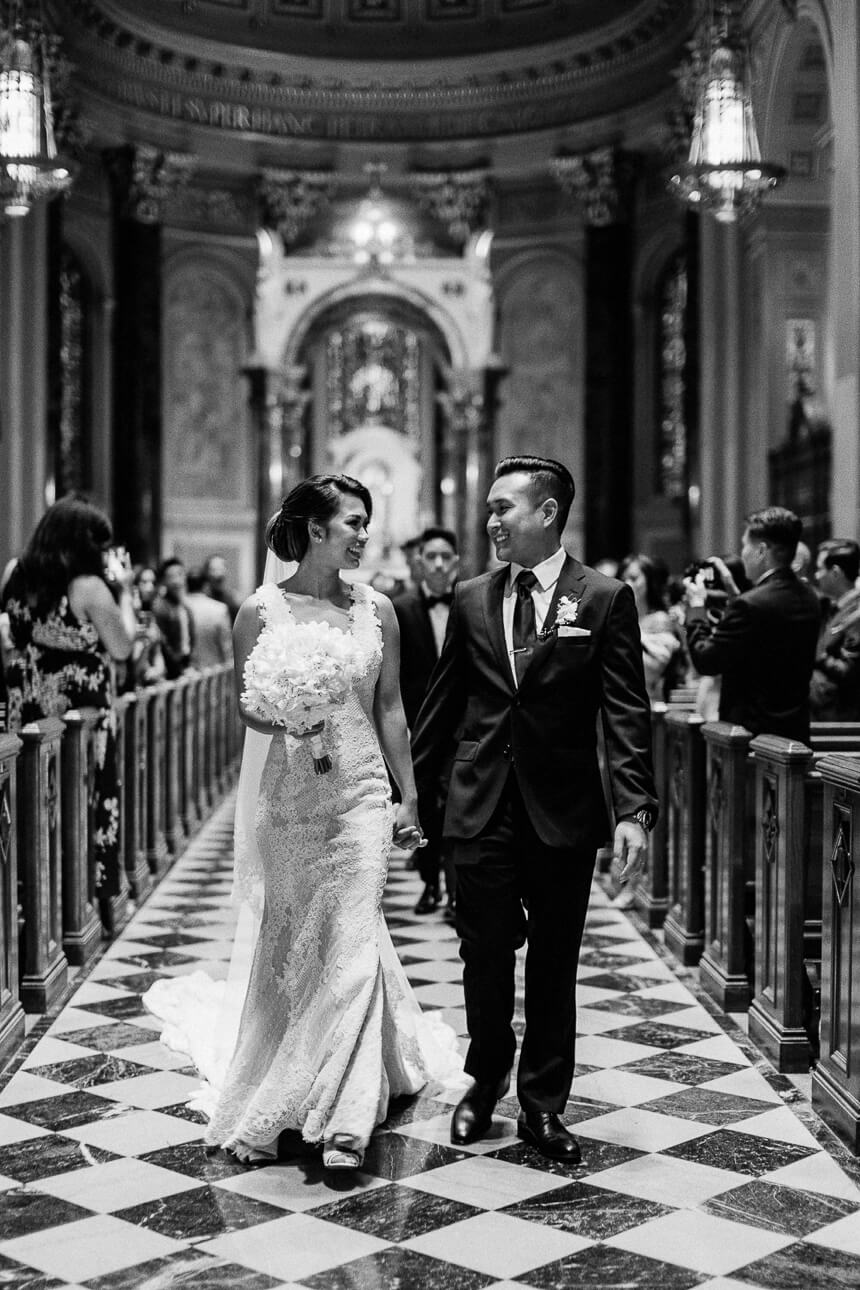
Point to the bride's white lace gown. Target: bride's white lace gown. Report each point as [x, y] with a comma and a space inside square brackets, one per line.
[330, 1028]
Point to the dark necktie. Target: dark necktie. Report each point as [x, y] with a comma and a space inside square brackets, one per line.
[445, 599]
[524, 633]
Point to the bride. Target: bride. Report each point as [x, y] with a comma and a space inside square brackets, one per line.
[329, 1029]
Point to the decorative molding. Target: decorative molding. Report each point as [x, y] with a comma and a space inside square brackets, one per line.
[456, 198]
[290, 199]
[166, 76]
[598, 181]
[145, 179]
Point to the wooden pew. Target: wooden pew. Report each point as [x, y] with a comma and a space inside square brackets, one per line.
[836, 1074]
[157, 855]
[174, 780]
[11, 1011]
[82, 925]
[43, 963]
[684, 926]
[724, 969]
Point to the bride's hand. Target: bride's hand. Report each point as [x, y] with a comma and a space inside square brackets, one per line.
[407, 830]
[314, 730]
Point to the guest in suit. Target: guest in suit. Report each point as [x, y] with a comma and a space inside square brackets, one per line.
[834, 692]
[174, 617]
[422, 614]
[535, 650]
[216, 588]
[764, 644]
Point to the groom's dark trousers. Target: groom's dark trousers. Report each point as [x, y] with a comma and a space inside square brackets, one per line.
[511, 884]
[525, 809]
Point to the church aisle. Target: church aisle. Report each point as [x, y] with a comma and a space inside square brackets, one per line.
[701, 1166]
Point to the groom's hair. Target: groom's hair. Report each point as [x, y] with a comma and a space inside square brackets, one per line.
[315, 498]
[548, 479]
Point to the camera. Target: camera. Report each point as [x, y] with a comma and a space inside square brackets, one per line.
[709, 576]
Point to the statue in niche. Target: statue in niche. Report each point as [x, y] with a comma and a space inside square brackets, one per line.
[205, 409]
[373, 389]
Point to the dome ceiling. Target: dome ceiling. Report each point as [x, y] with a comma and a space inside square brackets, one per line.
[382, 29]
[378, 71]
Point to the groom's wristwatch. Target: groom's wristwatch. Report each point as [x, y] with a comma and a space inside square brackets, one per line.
[645, 816]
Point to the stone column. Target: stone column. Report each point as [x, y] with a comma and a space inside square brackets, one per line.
[599, 183]
[277, 402]
[24, 469]
[466, 417]
[143, 179]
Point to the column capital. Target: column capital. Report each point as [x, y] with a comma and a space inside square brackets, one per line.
[457, 199]
[290, 199]
[144, 178]
[599, 181]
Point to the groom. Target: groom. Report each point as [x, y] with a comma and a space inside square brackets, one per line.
[534, 653]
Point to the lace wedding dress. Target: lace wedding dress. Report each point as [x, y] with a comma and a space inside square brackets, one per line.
[330, 1028]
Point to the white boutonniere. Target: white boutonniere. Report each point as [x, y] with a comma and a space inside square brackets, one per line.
[565, 615]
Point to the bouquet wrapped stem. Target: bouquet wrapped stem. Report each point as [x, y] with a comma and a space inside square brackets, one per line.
[322, 761]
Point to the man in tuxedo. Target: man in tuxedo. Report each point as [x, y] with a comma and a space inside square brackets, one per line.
[535, 651]
[422, 614]
[834, 692]
[764, 644]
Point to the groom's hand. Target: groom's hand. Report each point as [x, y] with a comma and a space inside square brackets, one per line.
[630, 847]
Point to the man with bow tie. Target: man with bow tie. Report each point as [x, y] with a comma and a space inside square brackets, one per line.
[535, 652]
[422, 614]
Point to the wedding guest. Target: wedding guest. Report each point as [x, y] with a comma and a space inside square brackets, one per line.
[213, 633]
[662, 651]
[764, 644]
[146, 664]
[422, 614]
[174, 617]
[216, 586]
[65, 627]
[834, 692]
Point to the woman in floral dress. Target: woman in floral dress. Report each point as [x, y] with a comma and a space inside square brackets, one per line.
[65, 627]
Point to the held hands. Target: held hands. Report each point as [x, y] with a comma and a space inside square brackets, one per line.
[630, 847]
[407, 830]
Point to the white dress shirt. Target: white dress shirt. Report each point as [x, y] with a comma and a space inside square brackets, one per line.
[438, 616]
[547, 573]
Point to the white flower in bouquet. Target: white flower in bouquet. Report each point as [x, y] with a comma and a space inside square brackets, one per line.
[297, 674]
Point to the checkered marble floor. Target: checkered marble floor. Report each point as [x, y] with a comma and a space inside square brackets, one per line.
[701, 1166]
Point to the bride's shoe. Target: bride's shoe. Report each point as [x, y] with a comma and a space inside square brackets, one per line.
[341, 1152]
[247, 1154]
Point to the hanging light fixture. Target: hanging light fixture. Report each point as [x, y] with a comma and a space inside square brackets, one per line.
[724, 174]
[30, 167]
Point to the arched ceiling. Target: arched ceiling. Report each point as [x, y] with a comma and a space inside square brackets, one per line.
[379, 72]
[382, 29]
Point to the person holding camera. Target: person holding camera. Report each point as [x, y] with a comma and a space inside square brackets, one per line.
[763, 646]
[70, 617]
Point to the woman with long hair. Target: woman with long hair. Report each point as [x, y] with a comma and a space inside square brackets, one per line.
[65, 628]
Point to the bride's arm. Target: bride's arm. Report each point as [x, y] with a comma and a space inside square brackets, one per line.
[246, 629]
[390, 721]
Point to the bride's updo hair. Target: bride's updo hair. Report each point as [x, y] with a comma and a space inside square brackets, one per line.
[315, 498]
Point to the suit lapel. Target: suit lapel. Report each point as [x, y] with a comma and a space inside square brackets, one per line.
[493, 620]
[571, 582]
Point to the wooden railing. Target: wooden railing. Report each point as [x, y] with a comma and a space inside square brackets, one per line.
[177, 749]
[740, 853]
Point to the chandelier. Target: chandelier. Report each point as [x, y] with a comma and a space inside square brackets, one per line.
[724, 173]
[30, 168]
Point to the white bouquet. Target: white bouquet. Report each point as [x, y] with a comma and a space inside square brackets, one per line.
[297, 674]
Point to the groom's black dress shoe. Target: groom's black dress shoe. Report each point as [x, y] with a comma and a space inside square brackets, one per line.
[473, 1114]
[544, 1131]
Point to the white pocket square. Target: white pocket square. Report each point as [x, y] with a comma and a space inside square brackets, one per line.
[573, 631]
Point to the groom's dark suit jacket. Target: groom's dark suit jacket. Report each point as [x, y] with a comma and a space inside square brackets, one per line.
[546, 728]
